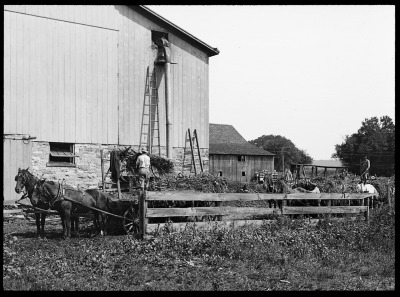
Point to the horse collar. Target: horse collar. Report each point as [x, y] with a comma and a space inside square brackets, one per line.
[55, 199]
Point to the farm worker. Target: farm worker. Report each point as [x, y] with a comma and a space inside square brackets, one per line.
[274, 181]
[288, 176]
[143, 165]
[365, 170]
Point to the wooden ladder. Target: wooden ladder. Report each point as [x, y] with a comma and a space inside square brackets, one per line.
[192, 150]
[150, 128]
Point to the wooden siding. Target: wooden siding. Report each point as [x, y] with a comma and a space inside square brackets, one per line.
[60, 80]
[77, 74]
[189, 82]
[232, 168]
[17, 154]
[102, 16]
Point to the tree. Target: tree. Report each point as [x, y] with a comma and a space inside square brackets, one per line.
[375, 139]
[280, 145]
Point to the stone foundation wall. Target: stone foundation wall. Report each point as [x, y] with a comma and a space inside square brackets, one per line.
[87, 173]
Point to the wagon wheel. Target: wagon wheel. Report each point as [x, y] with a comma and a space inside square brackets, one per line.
[131, 221]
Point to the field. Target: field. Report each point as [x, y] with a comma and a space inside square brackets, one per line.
[285, 255]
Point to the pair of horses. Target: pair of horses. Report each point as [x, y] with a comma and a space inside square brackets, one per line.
[50, 195]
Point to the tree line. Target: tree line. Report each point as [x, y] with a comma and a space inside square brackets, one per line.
[375, 139]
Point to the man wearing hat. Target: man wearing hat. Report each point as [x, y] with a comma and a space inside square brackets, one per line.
[143, 165]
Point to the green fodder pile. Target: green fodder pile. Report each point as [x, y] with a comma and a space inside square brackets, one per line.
[129, 156]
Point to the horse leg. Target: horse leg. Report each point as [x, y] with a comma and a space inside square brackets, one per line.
[103, 217]
[67, 224]
[62, 223]
[76, 220]
[96, 221]
[72, 224]
[37, 217]
[42, 221]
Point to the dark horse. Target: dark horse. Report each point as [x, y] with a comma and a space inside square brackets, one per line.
[27, 180]
[52, 194]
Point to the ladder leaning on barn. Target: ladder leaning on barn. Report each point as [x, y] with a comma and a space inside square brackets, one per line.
[191, 140]
[150, 128]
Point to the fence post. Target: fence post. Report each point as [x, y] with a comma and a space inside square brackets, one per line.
[284, 201]
[372, 202]
[218, 204]
[388, 194]
[142, 215]
[329, 203]
[366, 214]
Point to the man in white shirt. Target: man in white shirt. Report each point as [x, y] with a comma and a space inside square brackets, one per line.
[143, 165]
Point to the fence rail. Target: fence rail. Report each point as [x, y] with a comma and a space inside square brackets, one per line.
[145, 213]
[196, 196]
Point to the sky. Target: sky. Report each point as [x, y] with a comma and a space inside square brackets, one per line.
[312, 74]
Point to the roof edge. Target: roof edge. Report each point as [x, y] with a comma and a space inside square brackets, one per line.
[211, 50]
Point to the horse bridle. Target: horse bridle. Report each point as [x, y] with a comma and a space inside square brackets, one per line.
[22, 174]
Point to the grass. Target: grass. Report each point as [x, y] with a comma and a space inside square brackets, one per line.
[285, 255]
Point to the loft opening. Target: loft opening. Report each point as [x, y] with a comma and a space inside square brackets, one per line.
[157, 35]
[156, 38]
[241, 158]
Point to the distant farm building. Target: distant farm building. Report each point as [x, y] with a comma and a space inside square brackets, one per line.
[231, 156]
[318, 167]
[76, 79]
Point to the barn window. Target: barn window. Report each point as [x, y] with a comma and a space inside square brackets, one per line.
[243, 173]
[241, 158]
[219, 173]
[61, 155]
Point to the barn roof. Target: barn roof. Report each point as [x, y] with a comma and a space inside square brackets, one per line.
[211, 51]
[334, 163]
[225, 140]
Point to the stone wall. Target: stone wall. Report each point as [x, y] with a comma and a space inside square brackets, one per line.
[87, 173]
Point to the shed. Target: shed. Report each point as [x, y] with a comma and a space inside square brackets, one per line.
[76, 80]
[303, 170]
[231, 156]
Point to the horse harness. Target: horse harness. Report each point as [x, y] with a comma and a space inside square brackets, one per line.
[58, 197]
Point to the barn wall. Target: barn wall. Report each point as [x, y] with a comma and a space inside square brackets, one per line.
[232, 168]
[77, 74]
[60, 77]
[93, 15]
[86, 174]
[51, 54]
[189, 79]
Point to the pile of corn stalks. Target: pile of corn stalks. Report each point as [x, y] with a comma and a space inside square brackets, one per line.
[158, 165]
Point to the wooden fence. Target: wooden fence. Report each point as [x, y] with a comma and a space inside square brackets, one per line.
[145, 213]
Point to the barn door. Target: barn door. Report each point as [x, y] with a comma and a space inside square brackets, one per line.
[17, 154]
[243, 172]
